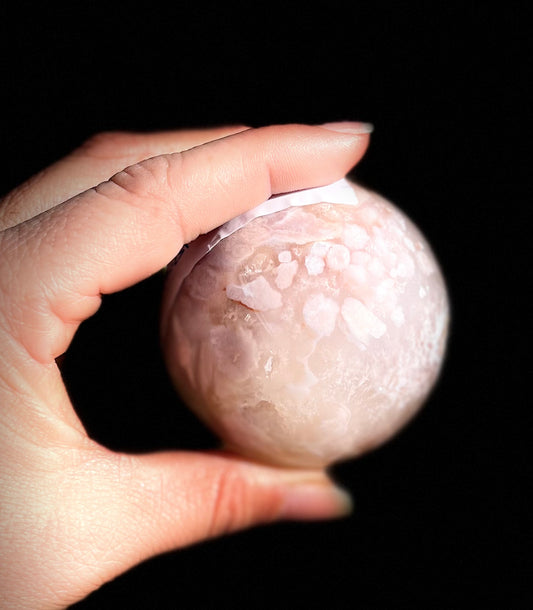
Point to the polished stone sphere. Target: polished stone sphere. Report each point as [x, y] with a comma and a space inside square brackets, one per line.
[310, 334]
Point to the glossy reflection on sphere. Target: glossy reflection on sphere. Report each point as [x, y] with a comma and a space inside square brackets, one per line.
[309, 335]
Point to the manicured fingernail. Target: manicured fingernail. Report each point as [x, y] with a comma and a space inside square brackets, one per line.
[309, 501]
[349, 127]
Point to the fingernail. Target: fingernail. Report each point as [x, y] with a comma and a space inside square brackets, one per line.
[349, 127]
[310, 501]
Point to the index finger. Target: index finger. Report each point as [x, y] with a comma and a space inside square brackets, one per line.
[96, 160]
[127, 228]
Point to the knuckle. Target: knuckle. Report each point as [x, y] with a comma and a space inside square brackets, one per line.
[238, 503]
[144, 180]
[149, 188]
[228, 503]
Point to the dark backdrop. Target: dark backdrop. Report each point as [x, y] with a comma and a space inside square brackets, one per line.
[440, 517]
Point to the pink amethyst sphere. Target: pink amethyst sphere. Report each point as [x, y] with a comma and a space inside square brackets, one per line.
[311, 334]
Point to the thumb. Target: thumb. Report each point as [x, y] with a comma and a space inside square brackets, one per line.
[160, 502]
[180, 498]
[105, 512]
[109, 512]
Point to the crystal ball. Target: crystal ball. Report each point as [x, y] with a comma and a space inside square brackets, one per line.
[309, 332]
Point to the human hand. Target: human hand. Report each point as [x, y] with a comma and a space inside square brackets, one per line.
[73, 514]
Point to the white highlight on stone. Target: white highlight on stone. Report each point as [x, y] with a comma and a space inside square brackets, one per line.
[355, 237]
[338, 257]
[320, 314]
[285, 274]
[356, 274]
[307, 335]
[314, 265]
[362, 323]
[320, 249]
[397, 316]
[257, 294]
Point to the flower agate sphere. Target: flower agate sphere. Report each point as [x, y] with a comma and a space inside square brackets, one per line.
[309, 334]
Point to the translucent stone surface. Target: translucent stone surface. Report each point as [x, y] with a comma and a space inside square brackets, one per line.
[309, 335]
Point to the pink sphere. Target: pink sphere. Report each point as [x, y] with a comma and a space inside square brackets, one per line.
[310, 334]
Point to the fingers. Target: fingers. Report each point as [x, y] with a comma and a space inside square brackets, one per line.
[127, 228]
[97, 160]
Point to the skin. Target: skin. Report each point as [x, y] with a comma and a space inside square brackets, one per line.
[73, 514]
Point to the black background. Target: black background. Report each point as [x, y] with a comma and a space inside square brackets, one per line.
[441, 517]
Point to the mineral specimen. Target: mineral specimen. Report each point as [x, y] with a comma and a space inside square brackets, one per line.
[309, 330]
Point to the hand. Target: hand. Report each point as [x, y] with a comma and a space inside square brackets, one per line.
[74, 514]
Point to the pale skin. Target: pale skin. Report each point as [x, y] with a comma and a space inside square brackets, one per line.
[73, 514]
